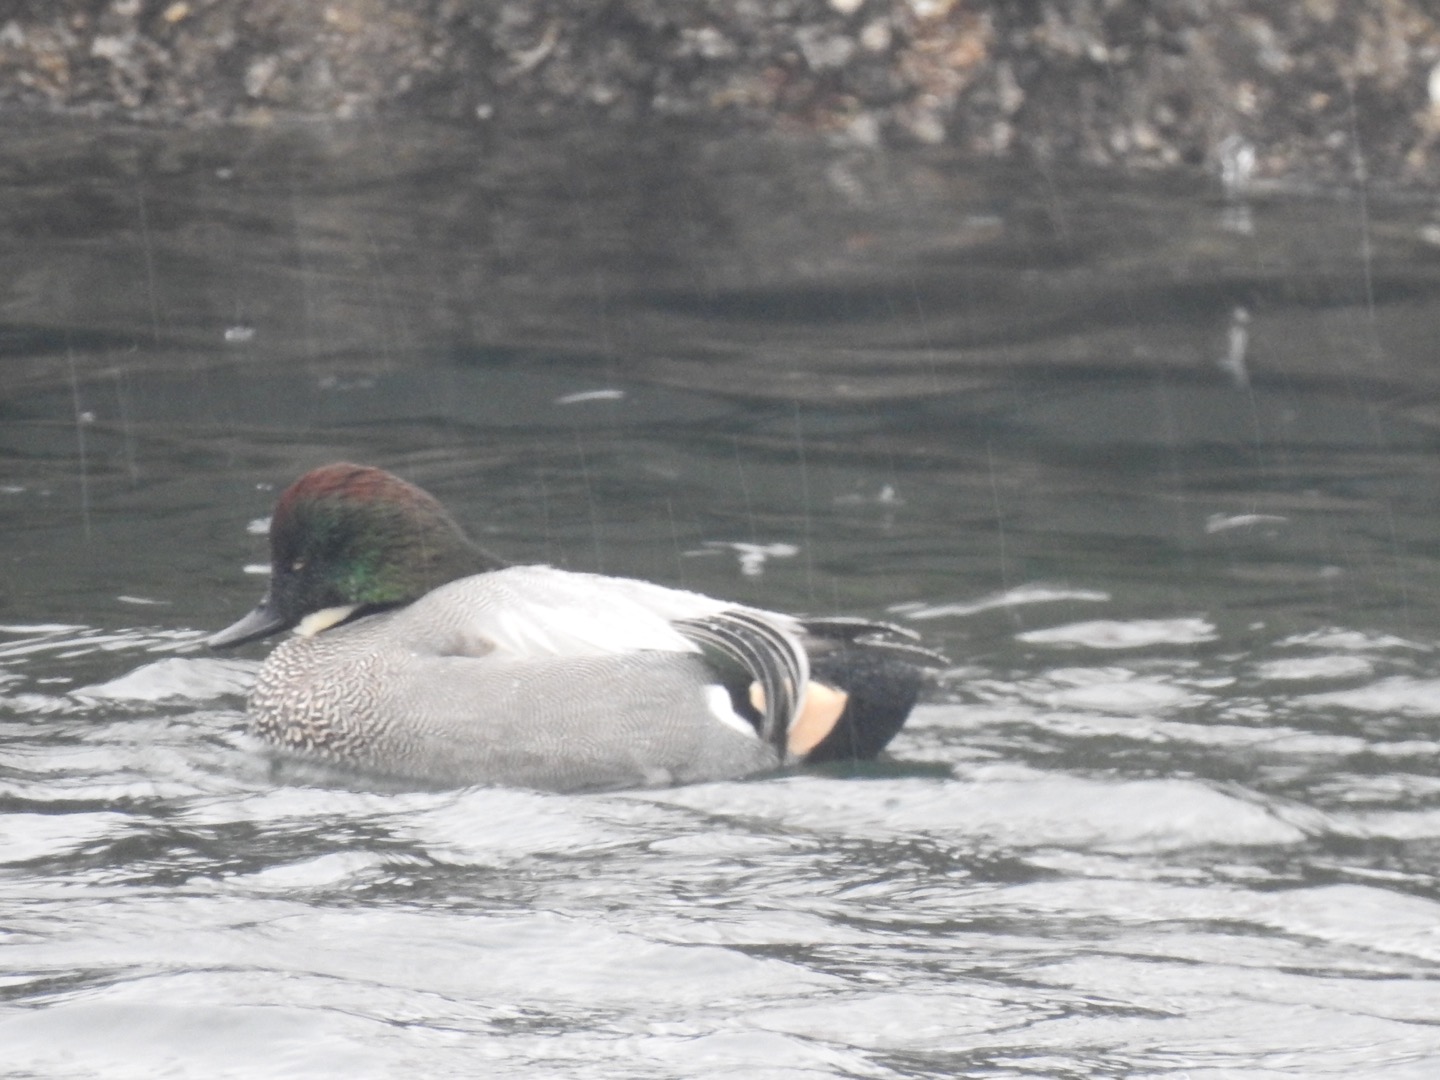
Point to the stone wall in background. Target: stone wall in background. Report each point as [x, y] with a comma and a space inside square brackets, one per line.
[1295, 90]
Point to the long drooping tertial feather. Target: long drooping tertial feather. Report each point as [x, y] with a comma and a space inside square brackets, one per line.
[772, 658]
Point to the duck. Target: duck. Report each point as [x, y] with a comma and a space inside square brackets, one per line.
[418, 655]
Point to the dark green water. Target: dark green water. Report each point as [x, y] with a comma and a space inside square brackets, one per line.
[1157, 470]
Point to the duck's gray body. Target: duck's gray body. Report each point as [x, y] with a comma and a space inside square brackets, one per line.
[525, 676]
[423, 657]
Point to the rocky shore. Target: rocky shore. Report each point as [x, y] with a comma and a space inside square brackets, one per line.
[1305, 91]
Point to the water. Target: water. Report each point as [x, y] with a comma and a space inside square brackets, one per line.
[1156, 470]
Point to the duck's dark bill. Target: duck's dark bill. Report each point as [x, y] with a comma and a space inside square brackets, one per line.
[262, 622]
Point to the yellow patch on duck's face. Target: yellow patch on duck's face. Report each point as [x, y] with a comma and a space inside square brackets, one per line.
[324, 619]
[818, 715]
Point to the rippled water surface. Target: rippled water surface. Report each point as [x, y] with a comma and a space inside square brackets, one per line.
[1154, 467]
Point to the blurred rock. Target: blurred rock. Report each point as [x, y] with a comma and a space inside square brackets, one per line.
[1324, 91]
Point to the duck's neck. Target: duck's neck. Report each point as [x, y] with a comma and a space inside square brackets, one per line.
[428, 566]
[399, 557]
[446, 557]
[470, 558]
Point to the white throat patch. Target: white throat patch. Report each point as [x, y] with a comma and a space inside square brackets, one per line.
[323, 619]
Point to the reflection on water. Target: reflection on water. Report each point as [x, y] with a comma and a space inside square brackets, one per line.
[1174, 810]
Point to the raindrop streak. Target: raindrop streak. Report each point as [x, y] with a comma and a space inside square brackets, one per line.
[306, 274]
[1376, 354]
[745, 490]
[927, 341]
[999, 517]
[1362, 207]
[122, 409]
[1058, 216]
[546, 525]
[81, 419]
[805, 536]
[583, 195]
[1176, 470]
[590, 504]
[388, 343]
[675, 545]
[148, 252]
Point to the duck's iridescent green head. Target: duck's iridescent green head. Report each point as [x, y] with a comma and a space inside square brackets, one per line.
[349, 538]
